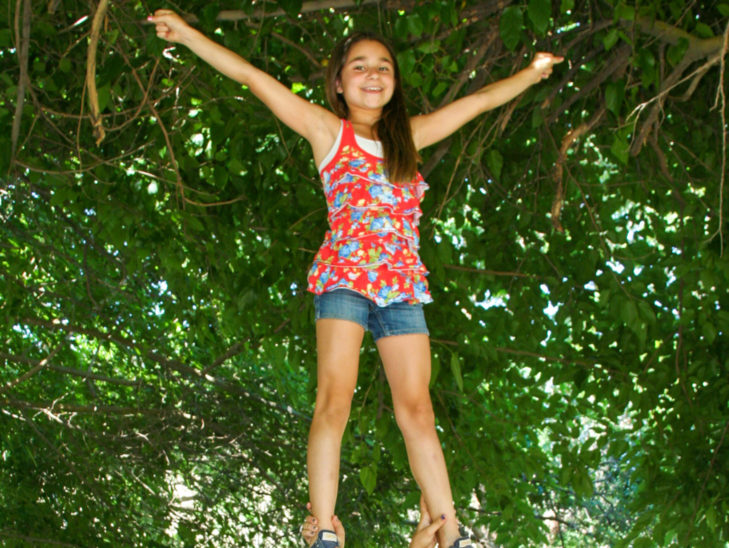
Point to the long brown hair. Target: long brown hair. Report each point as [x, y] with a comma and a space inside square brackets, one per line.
[393, 128]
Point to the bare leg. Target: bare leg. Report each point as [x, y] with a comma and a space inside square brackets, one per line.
[407, 364]
[337, 344]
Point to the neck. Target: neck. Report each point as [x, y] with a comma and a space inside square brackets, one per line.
[365, 120]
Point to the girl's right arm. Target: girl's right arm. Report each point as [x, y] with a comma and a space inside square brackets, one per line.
[313, 122]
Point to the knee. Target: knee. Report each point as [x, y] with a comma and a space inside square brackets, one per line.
[333, 406]
[415, 416]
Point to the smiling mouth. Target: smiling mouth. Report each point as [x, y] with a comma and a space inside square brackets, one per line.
[372, 88]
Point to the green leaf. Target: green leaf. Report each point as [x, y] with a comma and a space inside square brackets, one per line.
[711, 517]
[708, 331]
[537, 118]
[566, 6]
[208, 15]
[723, 9]
[610, 39]
[620, 149]
[6, 38]
[104, 94]
[675, 52]
[368, 477]
[291, 7]
[629, 312]
[434, 369]
[415, 25]
[703, 30]
[64, 65]
[614, 94]
[643, 542]
[495, 162]
[581, 482]
[456, 370]
[429, 47]
[406, 62]
[539, 12]
[625, 13]
[510, 26]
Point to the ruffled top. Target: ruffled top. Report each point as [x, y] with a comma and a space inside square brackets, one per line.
[372, 243]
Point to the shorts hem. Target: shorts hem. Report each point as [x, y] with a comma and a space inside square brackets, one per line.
[318, 317]
[401, 332]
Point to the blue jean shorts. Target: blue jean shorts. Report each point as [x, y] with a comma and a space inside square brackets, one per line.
[381, 321]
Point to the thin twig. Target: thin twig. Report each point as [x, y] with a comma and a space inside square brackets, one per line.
[24, 40]
[706, 476]
[567, 142]
[33, 370]
[721, 98]
[93, 95]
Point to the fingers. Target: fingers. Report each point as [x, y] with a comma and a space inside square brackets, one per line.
[543, 63]
[338, 530]
[437, 524]
[160, 26]
[169, 25]
[160, 15]
[424, 536]
[310, 529]
[424, 514]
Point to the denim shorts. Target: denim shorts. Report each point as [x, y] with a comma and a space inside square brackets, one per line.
[382, 321]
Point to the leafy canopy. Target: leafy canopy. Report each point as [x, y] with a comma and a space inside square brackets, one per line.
[157, 224]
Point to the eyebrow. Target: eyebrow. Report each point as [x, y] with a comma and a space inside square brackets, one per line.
[364, 58]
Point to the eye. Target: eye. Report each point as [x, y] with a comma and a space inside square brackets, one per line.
[359, 67]
[384, 68]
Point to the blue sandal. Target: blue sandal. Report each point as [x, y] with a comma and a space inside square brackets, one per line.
[326, 539]
[463, 542]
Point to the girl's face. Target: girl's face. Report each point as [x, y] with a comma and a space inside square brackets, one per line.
[367, 78]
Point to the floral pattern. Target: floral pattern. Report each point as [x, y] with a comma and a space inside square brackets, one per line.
[372, 243]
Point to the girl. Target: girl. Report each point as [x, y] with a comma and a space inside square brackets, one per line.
[367, 274]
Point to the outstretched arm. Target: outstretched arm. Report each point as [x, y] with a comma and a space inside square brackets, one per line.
[439, 124]
[313, 122]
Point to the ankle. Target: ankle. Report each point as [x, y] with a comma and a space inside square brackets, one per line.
[449, 533]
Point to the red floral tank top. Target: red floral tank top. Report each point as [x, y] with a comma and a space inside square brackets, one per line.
[372, 243]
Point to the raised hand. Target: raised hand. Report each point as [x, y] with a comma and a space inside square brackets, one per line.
[543, 63]
[170, 26]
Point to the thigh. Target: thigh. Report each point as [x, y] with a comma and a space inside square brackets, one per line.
[406, 359]
[337, 346]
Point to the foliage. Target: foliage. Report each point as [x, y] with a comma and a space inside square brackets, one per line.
[157, 340]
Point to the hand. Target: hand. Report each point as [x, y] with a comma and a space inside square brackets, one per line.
[543, 62]
[424, 536]
[170, 26]
[310, 529]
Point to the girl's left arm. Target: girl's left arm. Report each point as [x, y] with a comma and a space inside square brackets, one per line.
[439, 124]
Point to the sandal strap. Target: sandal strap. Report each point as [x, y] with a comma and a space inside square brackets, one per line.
[463, 542]
[326, 539]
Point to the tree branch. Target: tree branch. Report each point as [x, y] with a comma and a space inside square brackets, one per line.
[567, 141]
[698, 47]
[24, 38]
[98, 125]
[33, 370]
